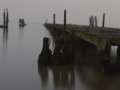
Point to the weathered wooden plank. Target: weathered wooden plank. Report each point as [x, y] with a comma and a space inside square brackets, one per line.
[97, 36]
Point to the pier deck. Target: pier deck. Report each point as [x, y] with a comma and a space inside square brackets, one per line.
[98, 36]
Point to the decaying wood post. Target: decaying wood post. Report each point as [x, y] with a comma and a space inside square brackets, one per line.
[54, 18]
[91, 21]
[96, 21]
[103, 23]
[7, 19]
[64, 20]
[4, 19]
[118, 55]
[45, 55]
[57, 58]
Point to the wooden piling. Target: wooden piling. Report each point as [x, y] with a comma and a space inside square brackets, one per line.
[4, 19]
[64, 20]
[91, 21]
[103, 24]
[118, 55]
[96, 21]
[54, 18]
[7, 19]
[45, 55]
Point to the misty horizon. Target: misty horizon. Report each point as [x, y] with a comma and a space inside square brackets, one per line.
[78, 12]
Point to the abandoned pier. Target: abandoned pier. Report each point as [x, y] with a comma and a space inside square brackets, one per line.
[67, 37]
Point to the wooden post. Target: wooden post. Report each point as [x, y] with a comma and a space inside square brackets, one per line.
[92, 18]
[64, 20]
[118, 55]
[96, 21]
[53, 18]
[4, 20]
[90, 21]
[7, 19]
[103, 24]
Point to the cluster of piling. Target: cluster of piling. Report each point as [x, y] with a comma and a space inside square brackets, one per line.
[93, 21]
[64, 48]
[5, 19]
[65, 44]
[22, 22]
[63, 53]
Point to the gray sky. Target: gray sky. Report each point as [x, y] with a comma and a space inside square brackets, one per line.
[78, 11]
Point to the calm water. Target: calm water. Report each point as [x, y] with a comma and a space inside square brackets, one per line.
[19, 50]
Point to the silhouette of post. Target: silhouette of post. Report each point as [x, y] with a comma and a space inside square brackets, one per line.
[4, 20]
[7, 19]
[53, 18]
[95, 21]
[103, 24]
[64, 20]
[91, 21]
[118, 55]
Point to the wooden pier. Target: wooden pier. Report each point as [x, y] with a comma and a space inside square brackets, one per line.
[68, 38]
[101, 37]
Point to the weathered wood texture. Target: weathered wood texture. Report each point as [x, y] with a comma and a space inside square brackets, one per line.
[98, 36]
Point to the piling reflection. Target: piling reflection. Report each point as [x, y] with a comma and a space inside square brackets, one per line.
[87, 75]
[93, 70]
[93, 79]
[5, 42]
[63, 76]
[43, 72]
[21, 33]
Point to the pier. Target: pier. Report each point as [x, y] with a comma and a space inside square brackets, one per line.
[99, 36]
[69, 37]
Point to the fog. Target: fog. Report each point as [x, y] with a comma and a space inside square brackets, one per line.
[78, 11]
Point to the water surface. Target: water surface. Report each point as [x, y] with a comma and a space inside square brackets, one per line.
[19, 50]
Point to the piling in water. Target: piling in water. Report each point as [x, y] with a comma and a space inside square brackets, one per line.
[64, 20]
[118, 55]
[45, 56]
[63, 53]
[54, 19]
[96, 21]
[5, 19]
[103, 24]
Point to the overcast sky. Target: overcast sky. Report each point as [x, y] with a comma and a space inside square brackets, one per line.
[78, 11]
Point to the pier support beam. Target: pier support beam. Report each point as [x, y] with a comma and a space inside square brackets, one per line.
[104, 55]
[118, 55]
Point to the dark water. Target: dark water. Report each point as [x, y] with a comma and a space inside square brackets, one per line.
[19, 50]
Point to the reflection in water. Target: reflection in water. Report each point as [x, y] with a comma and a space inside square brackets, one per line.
[93, 79]
[21, 33]
[5, 42]
[63, 76]
[43, 72]
[87, 75]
